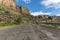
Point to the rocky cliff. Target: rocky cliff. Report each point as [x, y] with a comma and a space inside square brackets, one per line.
[22, 9]
[8, 3]
[12, 4]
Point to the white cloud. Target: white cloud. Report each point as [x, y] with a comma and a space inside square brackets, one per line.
[58, 15]
[51, 3]
[27, 1]
[39, 13]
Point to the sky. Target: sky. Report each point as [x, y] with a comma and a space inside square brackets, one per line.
[41, 7]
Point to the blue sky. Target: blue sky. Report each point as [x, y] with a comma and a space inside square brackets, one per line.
[41, 7]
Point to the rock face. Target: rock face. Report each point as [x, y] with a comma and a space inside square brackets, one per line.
[8, 3]
[0, 1]
[12, 4]
[22, 9]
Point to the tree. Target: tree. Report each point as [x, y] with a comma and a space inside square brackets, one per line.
[39, 16]
[50, 18]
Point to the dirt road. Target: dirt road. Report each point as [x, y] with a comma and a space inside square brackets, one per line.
[30, 32]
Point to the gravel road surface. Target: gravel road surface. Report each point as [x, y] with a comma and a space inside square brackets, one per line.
[30, 32]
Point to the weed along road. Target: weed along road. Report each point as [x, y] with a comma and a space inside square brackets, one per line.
[30, 32]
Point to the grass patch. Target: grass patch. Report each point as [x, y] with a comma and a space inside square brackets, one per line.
[47, 24]
[6, 24]
[58, 26]
[50, 25]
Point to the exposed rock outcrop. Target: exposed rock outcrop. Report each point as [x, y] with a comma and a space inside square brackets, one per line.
[12, 4]
[8, 3]
[22, 9]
